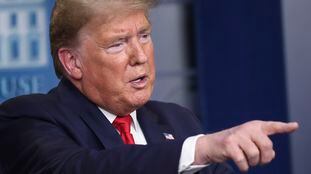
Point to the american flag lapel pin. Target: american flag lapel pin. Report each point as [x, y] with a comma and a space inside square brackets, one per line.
[168, 136]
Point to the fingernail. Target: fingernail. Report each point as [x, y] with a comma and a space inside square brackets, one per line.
[295, 124]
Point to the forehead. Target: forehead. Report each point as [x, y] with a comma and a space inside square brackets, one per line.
[135, 20]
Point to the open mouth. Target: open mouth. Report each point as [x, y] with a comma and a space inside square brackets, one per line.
[140, 78]
[139, 82]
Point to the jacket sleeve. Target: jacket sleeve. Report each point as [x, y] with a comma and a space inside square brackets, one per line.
[38, 146]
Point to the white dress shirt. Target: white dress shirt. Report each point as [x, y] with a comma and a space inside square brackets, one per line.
[188, 148]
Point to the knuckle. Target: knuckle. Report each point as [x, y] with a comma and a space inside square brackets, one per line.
[251, 126]
[253, 163]
[229, 140]
[267, 160]
[254, 157]
[268, 157]
[240, 159]
[255, 122]
[268, 145]
[254, 154]
[243, 167]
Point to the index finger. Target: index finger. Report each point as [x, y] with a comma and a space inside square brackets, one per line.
[275, 127]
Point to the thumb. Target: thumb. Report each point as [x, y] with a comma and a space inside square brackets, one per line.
[273, 127]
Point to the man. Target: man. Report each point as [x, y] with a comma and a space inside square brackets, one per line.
[99, 119]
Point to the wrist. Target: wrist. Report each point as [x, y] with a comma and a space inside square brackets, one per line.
[201, 158]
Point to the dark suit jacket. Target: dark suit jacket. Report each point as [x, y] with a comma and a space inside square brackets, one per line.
[64, 132]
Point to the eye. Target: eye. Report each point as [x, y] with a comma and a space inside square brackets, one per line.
[144, 38]
[115, 48]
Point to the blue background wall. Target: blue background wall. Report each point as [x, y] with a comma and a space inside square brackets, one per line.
[26, 78]
[241, 68]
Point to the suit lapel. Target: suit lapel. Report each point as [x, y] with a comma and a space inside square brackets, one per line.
[102, 128]
[90, 114]
[153, 130]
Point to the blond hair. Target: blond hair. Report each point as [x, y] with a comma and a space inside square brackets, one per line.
[69, 16]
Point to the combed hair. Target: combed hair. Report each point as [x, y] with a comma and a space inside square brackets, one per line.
[69, 16]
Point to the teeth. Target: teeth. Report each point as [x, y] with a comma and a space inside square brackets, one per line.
[137, 80]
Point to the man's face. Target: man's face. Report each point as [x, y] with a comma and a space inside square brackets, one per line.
[117, 62]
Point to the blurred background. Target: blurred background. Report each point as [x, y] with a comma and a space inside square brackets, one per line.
[228, 61]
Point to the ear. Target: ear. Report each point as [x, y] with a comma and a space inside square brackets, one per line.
[70, 62]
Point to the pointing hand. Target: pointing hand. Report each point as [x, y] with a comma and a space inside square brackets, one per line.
[247, 144]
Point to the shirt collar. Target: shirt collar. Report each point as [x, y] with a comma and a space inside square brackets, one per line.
[111, 117]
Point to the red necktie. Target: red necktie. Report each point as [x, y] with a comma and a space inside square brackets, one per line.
[123, 125]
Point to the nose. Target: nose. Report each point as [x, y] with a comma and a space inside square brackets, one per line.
[137, 54]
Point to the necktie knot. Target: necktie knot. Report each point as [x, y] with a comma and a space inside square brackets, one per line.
[123, 125]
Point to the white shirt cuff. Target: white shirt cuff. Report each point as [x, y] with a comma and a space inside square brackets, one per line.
[187, 156]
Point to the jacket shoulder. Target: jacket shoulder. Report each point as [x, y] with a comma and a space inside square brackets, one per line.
[168, 108]
[27, 105]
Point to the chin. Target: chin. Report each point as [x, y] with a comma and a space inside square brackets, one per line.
[138, 102]
[140, 99]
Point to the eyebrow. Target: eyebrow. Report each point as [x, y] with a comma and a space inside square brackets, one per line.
[121, 35]
[145, 29]
[142, 29]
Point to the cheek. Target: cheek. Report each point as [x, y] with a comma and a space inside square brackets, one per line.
[152, 66]
[108, 67]
[104, 76]
[150, 54]
[150, 50]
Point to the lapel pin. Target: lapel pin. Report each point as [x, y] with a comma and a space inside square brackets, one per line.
[168, 136]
